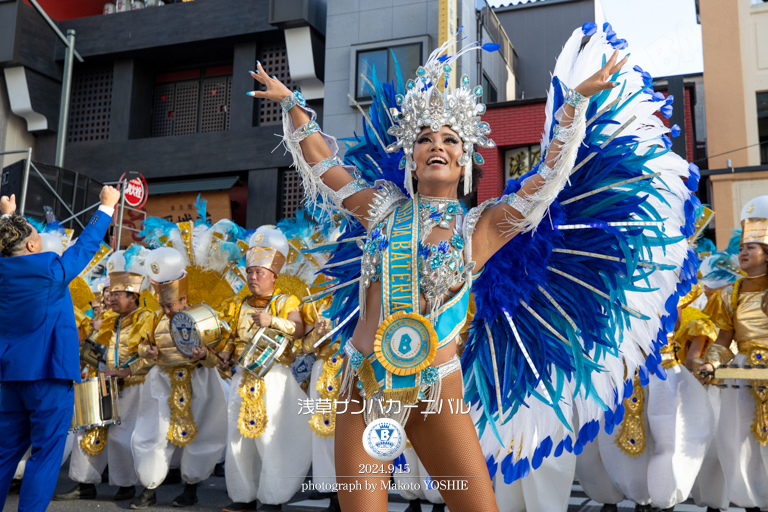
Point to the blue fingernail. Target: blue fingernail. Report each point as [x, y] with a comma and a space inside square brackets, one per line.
[252, 71]
[249, 93]
[258, 62]
[616, 84]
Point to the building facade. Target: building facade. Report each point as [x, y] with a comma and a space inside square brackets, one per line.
[162, 91]
[363, 35]
[735, 37]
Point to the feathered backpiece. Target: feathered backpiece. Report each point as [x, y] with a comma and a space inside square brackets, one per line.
[569, 313]
[211, 253]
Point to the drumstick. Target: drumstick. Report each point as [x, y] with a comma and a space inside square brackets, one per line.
[149, 340]
[311, 302]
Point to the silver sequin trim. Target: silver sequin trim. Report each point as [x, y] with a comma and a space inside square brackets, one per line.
[320, 169]
[547, 172]
[304, 131]
[524, 206]
[350, 188]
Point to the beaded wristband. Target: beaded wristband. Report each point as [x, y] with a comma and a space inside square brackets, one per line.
[293, 99]
[320, 169]
[304, 131]
[519, 203]
[574, 98]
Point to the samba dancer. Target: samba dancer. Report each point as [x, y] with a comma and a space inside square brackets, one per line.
[739, 310]
[41, 384]
[437, 130]
[197, 421]
[269, 447]
[121, 332]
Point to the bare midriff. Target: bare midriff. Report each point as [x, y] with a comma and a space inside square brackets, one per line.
[365, 331]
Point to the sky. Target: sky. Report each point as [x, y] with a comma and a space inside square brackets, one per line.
[663, 35]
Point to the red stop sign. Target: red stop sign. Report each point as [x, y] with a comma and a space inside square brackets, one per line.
[135, 191]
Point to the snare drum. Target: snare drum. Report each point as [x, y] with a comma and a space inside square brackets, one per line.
[96, 403]
[198, 326]
[261, 352]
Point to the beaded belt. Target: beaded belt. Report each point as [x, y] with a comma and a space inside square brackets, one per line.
[382, 408]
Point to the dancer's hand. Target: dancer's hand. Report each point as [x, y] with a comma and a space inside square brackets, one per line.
[224, 356]
[701, 373]
[600, 81]
[275, 90]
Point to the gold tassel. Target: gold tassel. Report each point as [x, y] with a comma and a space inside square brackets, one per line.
[404, 395]
[182, 429]
[368, 378]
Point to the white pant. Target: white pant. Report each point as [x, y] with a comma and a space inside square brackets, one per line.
[272, 467]
[323, 462]
[744, 460]
[153, 452]
[414, 485]
[87, 469]
[679, 428]
[710, 488]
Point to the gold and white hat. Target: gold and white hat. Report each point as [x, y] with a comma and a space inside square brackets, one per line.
[166, 268]
[754, 221]
[268, 248]
[125, 276]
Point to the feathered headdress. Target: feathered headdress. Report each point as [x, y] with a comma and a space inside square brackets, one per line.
[424, 104]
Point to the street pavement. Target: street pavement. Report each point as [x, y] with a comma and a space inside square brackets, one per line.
[213, 496]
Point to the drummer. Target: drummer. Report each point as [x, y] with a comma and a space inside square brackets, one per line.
[269, 446]
[99, 446]
[197, 423]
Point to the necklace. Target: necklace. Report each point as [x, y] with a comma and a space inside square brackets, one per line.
[755, 277]
[437, 211]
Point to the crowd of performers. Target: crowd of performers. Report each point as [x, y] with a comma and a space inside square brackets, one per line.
[579, 319]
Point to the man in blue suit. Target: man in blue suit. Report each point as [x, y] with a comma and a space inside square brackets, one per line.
[39, 347]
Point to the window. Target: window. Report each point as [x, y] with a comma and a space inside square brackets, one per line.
[91, 105]
[489, 91]
[519, 161]
[192, 101]
[384, 63]
[762, 125]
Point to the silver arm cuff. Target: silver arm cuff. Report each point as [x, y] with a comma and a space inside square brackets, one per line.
[320, 169]
[304, 131]
[521, 204]
[563, 134]
[350, 188]
[546, 171]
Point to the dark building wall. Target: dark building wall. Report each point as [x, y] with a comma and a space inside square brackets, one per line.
[538, 32]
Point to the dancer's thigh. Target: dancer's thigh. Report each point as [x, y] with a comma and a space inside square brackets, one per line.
[449, 449]
[368, 491]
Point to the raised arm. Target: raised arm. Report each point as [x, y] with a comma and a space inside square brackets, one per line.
[314, 152]
[523, 211]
